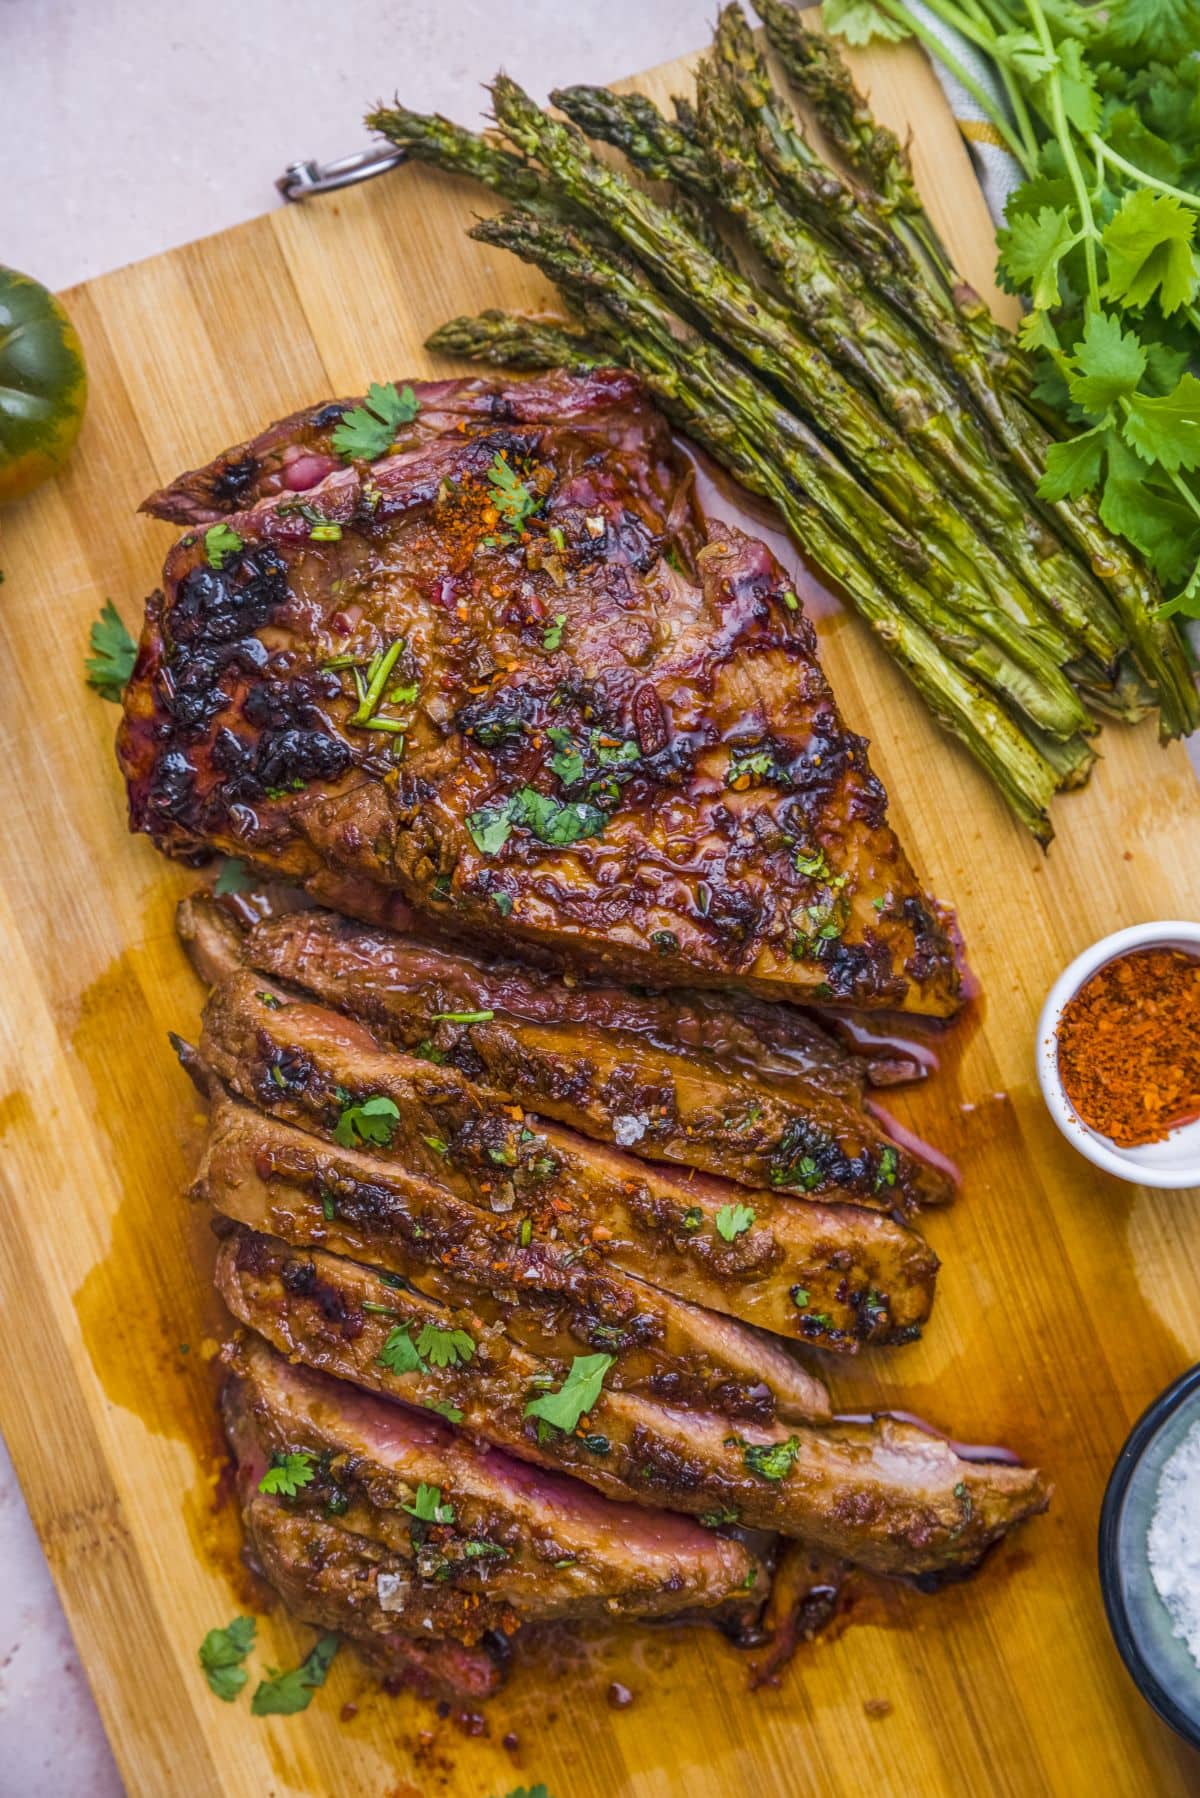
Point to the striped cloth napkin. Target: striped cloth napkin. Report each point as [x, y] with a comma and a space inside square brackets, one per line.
[997, 171]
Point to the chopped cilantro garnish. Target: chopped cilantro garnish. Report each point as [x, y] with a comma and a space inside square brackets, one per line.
[374, 1121]
[366, 431]
[552, 635]
[577, 1394]
[747, 766]
[399, 1354]
[555, 821]
[428, 1506]
[220, 542]
[734, 1220]
[444, 1348]
[450, 1412]
[283, 1694]
[769, 1460]
[510, 496]
[222, 1653]
[114, 652]
[889, 1163]
[233, 878]
[287, 1473]
[566, 762]
[503, 904]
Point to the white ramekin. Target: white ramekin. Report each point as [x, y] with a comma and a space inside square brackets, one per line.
[1174, 1162]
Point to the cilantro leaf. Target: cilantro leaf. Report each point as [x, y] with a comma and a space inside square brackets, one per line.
[233, 878]
[374, 1121]
[1031, 250]
[1111, 363]
[114, 652]
[283, 1694]
[220, 542]
[1073, 467]
[288, 1473]
[1166, 430]
[1077, 83]
[1186, 603]
[859, 21]
[510, 496]
[566, 762]
[1149, 248]
[577, 1394]
[222, 1653]
[734, 1220]
[556, 821]
[1023, 53]
[1141, 31]
[428, 1506]
[399, 1354]
[449, 1412]
[1131, 504]
[444, 1348]
[552, 635]
[367, 431]
[490, 827]
[1129, 137]
[769, 1460]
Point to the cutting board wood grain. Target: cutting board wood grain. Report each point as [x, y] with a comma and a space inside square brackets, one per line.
[1067, 1300]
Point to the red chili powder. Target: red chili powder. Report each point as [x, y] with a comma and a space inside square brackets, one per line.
[1129, 1046]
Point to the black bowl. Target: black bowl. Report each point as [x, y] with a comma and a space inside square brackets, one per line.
[1150, 1662]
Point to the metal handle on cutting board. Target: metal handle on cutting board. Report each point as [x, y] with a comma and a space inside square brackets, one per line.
[300, 180]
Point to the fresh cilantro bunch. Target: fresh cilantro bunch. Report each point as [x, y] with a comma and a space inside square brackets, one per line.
[1103, 117]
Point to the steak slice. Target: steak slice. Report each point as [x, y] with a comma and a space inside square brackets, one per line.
[519, 1544]
[296, 454]
[833, 1275]
[604, 759]
[885, 1494]
[775, 1042]
[319, 1053]
[549, 1297]
[664, 1104]
[328, 1577]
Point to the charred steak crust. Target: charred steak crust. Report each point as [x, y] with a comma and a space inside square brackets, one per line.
[295, 1061]
[619, 749]
[885, 1494]
[516, 1543]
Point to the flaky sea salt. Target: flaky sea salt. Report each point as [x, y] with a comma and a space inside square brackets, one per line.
[1174, 1540]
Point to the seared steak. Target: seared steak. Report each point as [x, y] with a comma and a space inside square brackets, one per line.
[664, 1104]
[318, 1054]
[814, 1272]
[328, 1577]
[509, 1543]
[617, 750]
[551, 1298]
[885, 1494]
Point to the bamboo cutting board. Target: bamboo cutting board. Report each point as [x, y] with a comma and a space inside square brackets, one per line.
[1067, 1300]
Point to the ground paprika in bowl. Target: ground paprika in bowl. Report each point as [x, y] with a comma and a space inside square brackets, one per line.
[1119, 1053]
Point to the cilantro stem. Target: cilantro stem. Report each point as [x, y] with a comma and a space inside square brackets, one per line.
[896, 10]
[374, 691]
[1012, 92]
[1105, 153]
[1062, 131]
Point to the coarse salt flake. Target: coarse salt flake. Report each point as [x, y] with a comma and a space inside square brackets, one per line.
[1174, 1540]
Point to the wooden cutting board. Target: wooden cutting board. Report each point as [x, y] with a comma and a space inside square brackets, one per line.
[1067, 1300]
